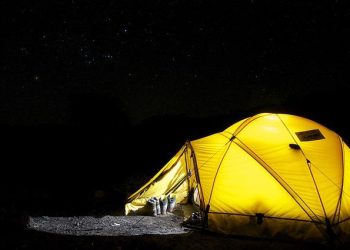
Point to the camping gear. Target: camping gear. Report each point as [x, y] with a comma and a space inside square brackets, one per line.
[265, 175]
[171, 202]
[158, 206]
[163, 200]
[153, 203]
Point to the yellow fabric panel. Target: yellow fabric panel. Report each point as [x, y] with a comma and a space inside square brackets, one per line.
[162, 182]
[329, 190]
[188, 157]
[209, 152]
[136, 205]
[326, 159]
[133, 206]
[167, 166]
[243, 186]
[167, 181]
[269, 139]
[213, 141]
[247, 121]
[345, 201]
[246, 225]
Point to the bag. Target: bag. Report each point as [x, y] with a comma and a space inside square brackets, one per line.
[171, 202]
[163, 200]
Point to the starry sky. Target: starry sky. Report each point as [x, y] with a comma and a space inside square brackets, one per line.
[149, 75]
[176, 57]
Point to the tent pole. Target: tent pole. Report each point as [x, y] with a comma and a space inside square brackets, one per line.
[193, 155]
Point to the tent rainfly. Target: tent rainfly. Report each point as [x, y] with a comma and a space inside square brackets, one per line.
[268, 175]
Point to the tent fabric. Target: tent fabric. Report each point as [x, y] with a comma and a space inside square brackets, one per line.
[269, 174]
[170, 180]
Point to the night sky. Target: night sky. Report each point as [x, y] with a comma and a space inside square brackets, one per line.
[95, 96]
[168, 57]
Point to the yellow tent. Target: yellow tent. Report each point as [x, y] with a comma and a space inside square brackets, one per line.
[266, 175]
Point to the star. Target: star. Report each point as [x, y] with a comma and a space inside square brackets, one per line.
[107, 56]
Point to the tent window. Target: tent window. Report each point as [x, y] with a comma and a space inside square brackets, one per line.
[310, 135]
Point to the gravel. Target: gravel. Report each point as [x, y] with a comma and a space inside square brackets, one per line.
[109, 225]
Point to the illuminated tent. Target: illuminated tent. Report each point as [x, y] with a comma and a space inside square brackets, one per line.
[266, 175]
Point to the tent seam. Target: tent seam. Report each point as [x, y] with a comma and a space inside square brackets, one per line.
[247, 122]
[259, 161]
[266, 216]
[308, 164]
[342, 184]
[217, 171]
[133, 196]
[195, 166]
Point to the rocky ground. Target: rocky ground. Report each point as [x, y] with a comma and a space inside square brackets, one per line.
[134, 232]
[109, 225]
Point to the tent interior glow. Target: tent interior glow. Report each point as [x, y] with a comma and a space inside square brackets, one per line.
[249, 169]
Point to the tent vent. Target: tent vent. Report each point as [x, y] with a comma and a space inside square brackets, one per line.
[259, 218]
[310, 135]
[294, 146]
